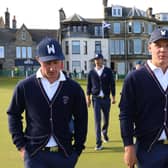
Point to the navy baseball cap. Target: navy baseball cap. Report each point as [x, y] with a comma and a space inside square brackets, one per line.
[158, 34]
[98, 56]
[49, 49]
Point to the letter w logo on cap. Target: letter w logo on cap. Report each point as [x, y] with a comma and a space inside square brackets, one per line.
[51, 49]
[163, 32]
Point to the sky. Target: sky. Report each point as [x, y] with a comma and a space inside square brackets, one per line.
[44, 14]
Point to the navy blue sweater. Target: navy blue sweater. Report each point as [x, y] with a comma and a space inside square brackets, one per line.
[142, 108]
[45, 118]
[105, 82]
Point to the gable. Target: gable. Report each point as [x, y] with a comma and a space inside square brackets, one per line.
[23, 34]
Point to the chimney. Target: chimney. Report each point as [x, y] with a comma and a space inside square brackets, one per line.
[2, 25]
[7, 19]
[14, 22]
[62, 15]
[149, 12]
[105, 2]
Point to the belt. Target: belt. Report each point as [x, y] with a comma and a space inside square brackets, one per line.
[100, 97]
[50, 149]
[165, 142]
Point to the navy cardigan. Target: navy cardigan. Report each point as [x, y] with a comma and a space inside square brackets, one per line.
[106, 82]
[142, 108]
[45, 118]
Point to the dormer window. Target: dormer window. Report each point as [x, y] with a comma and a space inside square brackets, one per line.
[23, 35]
[116, 11]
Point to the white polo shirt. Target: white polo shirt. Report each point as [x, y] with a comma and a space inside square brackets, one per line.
[50, 89]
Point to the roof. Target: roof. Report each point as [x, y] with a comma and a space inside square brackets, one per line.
[75, 18]
[135, 12]
[8, 35]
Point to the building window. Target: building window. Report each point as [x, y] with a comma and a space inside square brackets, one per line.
[85, 29]
[116, 28]
[29, 52]
[79, 29]
[23, 52]
[130, 27]
[85, 47]
[23, 35]
[18, 52]
[76, 65]
[137, 46]
[137, 27]
[75, 47]
[2, 52]
[117, 47]
[97, 47]
[117, 11]
[66, 47]
[150, 28]
[98, 30]
[74, 29]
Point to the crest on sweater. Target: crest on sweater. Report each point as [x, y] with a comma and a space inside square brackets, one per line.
[65, 99]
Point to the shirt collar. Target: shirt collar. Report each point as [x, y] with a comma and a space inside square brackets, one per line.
[155, 69]
[152, 66]
[61, 77]
[100, 68]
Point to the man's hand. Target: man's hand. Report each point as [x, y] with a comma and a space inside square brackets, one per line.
[88, 101]
[22, 152]
[113, 100]
[130, 158]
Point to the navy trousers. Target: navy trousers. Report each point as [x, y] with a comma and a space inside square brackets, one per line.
[101, 106]
[46, 159]
[156, 158]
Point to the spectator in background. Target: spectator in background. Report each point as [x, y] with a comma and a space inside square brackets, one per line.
[100, 84]
[138, 65]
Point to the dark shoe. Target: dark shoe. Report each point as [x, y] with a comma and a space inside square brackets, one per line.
[105, 139]
[98, 147]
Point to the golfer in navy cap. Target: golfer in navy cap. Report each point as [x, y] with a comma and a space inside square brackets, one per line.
[101, 85]
[144, 108]
[49, 100]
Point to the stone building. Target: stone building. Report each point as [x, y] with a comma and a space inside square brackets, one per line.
[17, 45]
[121, 36]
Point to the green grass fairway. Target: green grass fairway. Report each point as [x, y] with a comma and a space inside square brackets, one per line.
[110, 157]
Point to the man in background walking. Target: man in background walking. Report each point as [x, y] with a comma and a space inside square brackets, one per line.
[100, 84]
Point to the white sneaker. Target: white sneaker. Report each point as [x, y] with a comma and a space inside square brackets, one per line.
[98, 147]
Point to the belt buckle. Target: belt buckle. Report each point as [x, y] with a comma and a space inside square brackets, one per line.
[54, 149]
[165, 141]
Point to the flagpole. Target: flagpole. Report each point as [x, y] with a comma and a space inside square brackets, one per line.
[102, 32]
[103, 29]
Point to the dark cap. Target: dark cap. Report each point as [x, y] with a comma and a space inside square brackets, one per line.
[98, 56]
[158, 34]
[49, 49]
[138, 62]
